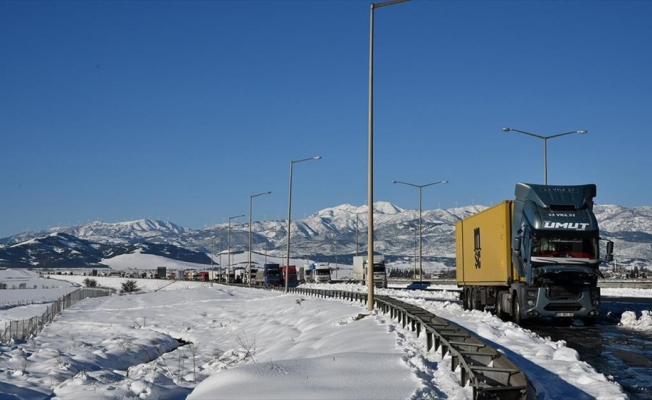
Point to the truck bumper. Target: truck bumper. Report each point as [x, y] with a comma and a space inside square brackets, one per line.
[380, 281]
[560, 302]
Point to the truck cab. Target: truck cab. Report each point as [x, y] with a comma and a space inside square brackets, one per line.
[322, 273]
[289, 273]
[360, 267]
[556, 252]
[318, 272]
[272, 274]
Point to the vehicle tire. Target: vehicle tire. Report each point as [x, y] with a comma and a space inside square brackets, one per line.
[516, 311]
[476, 305]
[500, 313]
[465, 300]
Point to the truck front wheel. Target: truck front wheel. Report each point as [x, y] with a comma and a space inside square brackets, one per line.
[516, 310]
[500, 313]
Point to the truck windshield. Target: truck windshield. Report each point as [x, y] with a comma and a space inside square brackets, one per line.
[570, 247]
[379, 267]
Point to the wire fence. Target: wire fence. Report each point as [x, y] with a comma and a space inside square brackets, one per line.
[22, 329]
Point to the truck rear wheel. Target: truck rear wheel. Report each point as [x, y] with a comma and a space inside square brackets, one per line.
[475, 304]
[466, 302]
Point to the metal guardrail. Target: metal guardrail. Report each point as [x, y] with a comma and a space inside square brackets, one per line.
[488, 371]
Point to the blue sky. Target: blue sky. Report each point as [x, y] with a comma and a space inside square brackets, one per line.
[181, 111]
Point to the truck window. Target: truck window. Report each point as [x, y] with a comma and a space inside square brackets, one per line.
[379, 267]
[570, 247]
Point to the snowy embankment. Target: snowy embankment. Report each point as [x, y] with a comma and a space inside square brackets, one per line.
[197, 340]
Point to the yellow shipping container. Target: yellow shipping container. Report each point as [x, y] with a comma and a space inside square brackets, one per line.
[483, 247]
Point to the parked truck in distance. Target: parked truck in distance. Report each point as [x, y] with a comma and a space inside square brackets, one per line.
[290, 274]
[360, 270]
[318, 273]
[537, 256]
[271, 274]
[255, 276]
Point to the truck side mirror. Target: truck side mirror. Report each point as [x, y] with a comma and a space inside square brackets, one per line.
[610, 251]
[516, 247]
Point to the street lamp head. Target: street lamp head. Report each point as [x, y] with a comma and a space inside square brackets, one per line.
[507, 129]
[259, 194]
[582, 131]
[316, 157]
[444, 181]
[394, 181]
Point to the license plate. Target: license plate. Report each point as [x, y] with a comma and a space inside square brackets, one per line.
[565, 314]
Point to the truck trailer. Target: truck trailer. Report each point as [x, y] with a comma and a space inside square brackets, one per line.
[537, 256]
[360, 270]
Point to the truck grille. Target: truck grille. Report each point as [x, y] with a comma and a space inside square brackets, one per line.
[562, 307]
[564, 293]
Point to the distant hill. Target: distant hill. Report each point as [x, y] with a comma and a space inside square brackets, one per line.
[327, 235]
[61, 250]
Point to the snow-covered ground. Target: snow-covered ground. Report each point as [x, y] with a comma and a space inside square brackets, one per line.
[195, 340]
[26, 294]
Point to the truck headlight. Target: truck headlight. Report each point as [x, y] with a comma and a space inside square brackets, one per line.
[596, 303]
[531, 293]
[530, 303]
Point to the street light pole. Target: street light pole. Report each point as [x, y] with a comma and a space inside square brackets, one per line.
[219, 262]
[420, 187]
[212, 250]
[251, 198]
[357, 221]
[357, 242]
[212, 274]
[370, 156]
[219, 277]
[228, 240]
[545, 146]
[287, 262]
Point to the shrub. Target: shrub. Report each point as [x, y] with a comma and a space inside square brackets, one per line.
[90, 282]
[129, 286]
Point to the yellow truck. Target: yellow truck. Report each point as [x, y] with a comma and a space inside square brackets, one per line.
[533, 257]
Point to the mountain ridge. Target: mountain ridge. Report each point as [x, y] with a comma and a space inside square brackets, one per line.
[328, 233]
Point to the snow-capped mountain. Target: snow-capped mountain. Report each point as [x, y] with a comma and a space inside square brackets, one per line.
[102, 232]
[333, 232]
[61, 250]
